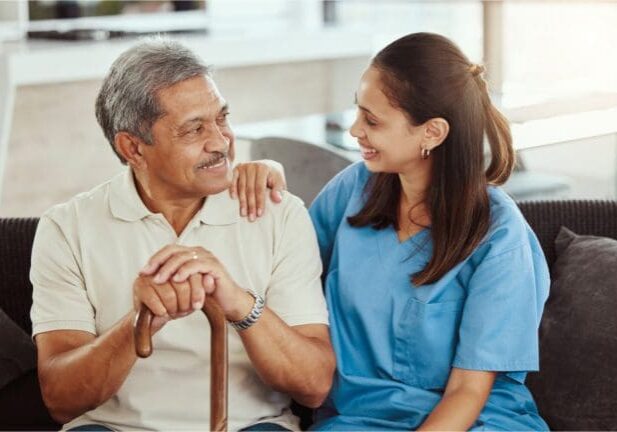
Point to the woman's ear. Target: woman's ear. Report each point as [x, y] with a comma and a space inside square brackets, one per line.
[129, 147]
[435, 132]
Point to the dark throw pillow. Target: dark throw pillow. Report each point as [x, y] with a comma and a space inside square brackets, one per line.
[17, 352]
[576, 387]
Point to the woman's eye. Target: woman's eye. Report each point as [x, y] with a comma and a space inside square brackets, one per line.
[370, 122]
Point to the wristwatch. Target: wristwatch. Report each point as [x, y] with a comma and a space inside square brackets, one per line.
[252, 317]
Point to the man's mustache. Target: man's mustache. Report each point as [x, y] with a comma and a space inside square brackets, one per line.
[216, 158]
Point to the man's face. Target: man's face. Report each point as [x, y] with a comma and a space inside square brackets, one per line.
[193, 143]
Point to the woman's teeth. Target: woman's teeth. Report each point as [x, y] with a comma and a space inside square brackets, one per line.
[368, 154]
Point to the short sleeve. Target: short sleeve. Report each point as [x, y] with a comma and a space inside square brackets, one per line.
[60, 300]
[501, 314]
[328, 209]
[295, 293]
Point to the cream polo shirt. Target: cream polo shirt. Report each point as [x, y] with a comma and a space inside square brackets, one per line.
[86, 256]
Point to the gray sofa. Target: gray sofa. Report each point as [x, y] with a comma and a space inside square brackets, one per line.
[557, 387]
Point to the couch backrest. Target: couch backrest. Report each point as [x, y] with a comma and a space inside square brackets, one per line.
[584, 217]
[16, 236]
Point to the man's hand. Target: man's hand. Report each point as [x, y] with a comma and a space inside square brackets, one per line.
[176, 272]
[168, 300]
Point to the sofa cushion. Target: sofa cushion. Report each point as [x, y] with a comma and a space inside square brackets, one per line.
[577, 384]
[17, 352]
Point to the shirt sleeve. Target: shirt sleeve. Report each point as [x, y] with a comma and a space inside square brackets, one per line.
[60, 300]
[295, 293]
[501, 314]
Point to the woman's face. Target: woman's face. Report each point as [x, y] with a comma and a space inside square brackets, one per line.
[388, 141]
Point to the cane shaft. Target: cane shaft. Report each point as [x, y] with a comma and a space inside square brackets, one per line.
[218, 356]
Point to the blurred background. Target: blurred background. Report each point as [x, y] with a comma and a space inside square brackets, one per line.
[289, 68]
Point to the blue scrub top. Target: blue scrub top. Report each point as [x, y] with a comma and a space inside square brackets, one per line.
[395, 343]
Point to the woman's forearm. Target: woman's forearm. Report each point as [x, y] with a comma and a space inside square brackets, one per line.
[456, 411]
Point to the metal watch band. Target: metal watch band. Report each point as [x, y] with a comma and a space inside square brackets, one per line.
[252, 317]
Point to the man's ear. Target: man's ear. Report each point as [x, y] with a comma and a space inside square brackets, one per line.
[130, 148]
[435, 132]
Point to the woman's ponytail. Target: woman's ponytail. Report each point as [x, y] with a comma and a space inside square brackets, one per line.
[499, 137]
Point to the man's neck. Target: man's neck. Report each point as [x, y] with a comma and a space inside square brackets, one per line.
[177, 211]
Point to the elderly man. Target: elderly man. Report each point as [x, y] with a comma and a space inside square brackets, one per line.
[165, 233]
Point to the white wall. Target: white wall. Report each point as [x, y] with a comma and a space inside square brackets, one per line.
[56, 149]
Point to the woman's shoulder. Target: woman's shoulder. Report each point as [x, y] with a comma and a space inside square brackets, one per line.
[349, 180]
[353, 175]
[508, 228]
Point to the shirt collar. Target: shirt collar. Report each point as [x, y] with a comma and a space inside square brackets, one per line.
[220, 209]
[126, 204]
[124, 200]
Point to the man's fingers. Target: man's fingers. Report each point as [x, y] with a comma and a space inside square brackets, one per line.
[183, 293]
[159, 258]
[205, 264]
[173, 263]
[198, 294]
[168, 297]
[209, 284]
[145, 293]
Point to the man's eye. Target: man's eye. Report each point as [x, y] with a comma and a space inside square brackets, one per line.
[197, 130]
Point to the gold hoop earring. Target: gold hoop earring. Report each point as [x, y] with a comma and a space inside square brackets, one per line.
[425, 153]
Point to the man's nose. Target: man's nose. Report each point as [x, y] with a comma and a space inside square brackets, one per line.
[217, 141]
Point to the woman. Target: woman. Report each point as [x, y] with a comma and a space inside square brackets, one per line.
[434, 281]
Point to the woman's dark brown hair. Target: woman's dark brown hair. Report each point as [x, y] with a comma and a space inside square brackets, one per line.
[427, 76]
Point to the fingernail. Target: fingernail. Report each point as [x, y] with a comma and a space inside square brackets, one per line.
[252, 217]
[279, 195]
[259, 212]
[196, 305]
[158, 278]
[177, 277]
[243, 211]
[147, 267]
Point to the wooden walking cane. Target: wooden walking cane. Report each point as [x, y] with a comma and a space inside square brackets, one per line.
[218, 355]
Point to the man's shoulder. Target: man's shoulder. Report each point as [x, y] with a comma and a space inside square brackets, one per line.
[289, 204]
[84, 203]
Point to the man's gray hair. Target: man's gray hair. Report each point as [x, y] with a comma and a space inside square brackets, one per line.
[127, 100]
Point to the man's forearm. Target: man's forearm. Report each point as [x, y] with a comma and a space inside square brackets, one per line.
[79, 380]
[289, 361]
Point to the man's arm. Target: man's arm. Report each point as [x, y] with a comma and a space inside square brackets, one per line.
[79, 371]
[295, 360]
